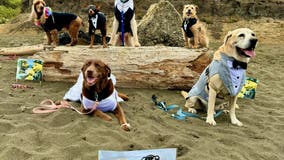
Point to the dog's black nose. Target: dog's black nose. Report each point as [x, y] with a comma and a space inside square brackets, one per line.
[89, 73]
[253, 42]
[41, 7]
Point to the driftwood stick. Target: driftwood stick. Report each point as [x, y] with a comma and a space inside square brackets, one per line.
[21, 51]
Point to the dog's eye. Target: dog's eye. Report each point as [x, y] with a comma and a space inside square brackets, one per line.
[253, 34]
[242, 35]
[97, 66]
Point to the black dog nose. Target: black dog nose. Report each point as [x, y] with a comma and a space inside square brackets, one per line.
[253, 42]
[41, 7]
[89, 73]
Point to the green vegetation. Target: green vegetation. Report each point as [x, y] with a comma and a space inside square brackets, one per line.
[9, 9]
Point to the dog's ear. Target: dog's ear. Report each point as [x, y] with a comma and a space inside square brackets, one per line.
[33, 14]
[229, 35]
[196, 8]
[85, 65]
[108, 70]
[98, 8]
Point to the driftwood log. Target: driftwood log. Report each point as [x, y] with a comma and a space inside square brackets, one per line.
[21, 51]
[143, 67]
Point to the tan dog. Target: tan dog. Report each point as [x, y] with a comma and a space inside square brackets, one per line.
[224, 77]
[194, 32]
[52, 22]
[124, 8]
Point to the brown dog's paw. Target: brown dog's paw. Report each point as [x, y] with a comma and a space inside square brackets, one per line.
[102, 115]
[126, 127]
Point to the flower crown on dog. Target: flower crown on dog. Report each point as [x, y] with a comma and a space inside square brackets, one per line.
[47, 13]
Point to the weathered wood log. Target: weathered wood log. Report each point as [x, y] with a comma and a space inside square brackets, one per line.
[144, 67]
[21, 51]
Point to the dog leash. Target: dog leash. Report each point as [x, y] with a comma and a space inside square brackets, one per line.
[122, 28]
[180, 114]
[48, 106]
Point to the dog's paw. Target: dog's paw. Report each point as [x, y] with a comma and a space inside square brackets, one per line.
[137, 44]
[192, 110]
[126, 126]
[237, 106]
[210, 121]
[194, 47]
[104, 46]
[91, 46]
[237, 122]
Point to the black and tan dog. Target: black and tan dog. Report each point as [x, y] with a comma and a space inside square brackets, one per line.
[124, 10]
[52, 22]
[98, 91]
[97, 20]
[225, 76]
[194, 32]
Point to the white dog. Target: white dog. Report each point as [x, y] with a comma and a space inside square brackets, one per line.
[125, 9]
[224, 77]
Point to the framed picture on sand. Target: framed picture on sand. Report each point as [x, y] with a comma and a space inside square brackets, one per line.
[152, 154]
[29, 69]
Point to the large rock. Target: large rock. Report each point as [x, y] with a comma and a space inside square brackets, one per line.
[161, 25]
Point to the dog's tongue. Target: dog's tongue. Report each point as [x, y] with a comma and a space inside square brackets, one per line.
[91, 80]
[250, 53]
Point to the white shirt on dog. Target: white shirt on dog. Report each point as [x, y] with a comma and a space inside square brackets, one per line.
[124, 6]
[95, 21]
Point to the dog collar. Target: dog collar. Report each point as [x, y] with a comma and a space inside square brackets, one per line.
[190, 21]
[124, 6]
[47, 12]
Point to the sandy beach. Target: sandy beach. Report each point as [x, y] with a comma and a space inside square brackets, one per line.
[67, 135]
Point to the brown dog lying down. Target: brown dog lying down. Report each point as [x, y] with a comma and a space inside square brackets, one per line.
[98, 91]
[52, 22]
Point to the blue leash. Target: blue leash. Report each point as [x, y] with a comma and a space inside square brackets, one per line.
[180, 115]
[122, 28]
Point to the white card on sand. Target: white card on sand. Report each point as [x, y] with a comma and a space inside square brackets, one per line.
[152, 154]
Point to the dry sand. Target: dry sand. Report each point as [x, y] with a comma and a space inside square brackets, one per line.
[68, 135]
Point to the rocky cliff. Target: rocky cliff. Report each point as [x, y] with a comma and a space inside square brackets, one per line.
[239, 8]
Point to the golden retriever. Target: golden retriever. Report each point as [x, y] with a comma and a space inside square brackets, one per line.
[52, 22]
[194, 32]
[125, 9]
[225, 76]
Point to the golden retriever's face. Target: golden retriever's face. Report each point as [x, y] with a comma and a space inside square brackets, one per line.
[39, 5]
[94, 71]
[189, 11]
[240, 43]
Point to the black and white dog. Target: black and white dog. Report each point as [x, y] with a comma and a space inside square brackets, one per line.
[124, 24]
[97, 20]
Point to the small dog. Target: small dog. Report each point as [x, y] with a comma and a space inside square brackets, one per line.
[52, 22]
[97, 20]
[194, 32]
[98, 91]
[224, 77]
[124, 10]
